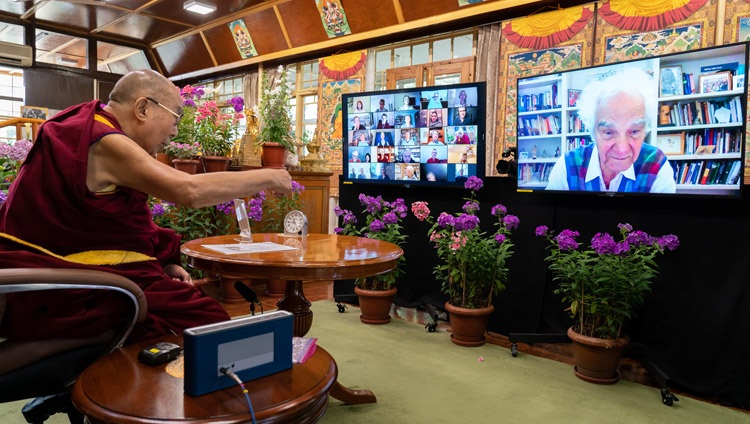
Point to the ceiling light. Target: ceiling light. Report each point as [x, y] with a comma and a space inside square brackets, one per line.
[199, 7]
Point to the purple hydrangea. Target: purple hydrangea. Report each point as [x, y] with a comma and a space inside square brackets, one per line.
[372, 204]
[471, 206]
[541, 230]
[445, 219]
[639, 238]
[238, 103]
[390, 218]
[566, 240]
[376, 226]
[473, 183]
[499, 210]
[625, 227]
[500, 238]
[349, 218]
[227, 207]
[669, 241]
[465, 222]
[297, 188]
[604, 244]
[511, 222]
[157, 209]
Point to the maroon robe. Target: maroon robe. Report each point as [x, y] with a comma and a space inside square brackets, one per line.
[49, 205]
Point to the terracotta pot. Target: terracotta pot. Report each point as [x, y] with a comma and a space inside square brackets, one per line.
[186, 165]
[216, 163]
[274, 155]
[597, 359]
[468, 325]
[164, 158]
[375, 305]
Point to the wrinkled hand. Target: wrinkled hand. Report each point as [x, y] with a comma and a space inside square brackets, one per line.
[178, 273]
[281, 180]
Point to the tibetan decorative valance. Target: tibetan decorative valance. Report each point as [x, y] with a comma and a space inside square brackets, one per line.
[647, 15]
[547, 29]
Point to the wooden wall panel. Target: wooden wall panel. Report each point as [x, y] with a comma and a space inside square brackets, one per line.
[302, 21]
[265, 30]
[369, 16]
[418, 9]
[222, 45]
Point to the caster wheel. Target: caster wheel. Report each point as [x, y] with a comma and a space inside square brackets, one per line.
[341, 307]
[514, 350]
[668, 398]
[431, 327]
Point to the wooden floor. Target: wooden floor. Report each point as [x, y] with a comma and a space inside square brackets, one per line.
[630, 369]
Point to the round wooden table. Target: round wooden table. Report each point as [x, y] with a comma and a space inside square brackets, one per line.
[315, 257]
[119, 389]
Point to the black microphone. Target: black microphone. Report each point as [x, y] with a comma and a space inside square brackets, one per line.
[248, 294]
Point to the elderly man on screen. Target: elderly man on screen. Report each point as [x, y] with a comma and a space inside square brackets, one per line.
[619, 110]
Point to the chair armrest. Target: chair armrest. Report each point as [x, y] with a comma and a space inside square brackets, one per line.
[14, 280]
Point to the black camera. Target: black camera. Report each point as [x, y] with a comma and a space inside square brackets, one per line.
[507, 165]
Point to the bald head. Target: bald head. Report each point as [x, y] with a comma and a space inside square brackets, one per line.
[142, 83]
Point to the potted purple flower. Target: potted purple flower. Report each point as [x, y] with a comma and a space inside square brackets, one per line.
[382, 222]
[472, 262]
[603, 285]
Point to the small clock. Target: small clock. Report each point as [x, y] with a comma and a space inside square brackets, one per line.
[295, 223]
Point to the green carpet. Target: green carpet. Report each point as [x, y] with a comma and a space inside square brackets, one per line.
[420, 377]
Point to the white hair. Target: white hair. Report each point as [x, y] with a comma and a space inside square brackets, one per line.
[632, 81]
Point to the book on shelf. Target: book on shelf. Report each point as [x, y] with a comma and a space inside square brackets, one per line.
[730, 66]
[303, 348]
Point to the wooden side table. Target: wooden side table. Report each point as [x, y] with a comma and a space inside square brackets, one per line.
[119, 389]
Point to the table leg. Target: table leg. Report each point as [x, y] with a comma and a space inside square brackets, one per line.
[294, 301]
[351, 397]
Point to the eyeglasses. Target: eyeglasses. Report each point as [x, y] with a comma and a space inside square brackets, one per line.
[175, 114]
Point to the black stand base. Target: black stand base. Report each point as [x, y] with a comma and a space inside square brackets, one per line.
[640, 353]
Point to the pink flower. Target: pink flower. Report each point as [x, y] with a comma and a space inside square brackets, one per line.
[420, 210]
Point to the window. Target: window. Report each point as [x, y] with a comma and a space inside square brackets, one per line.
[407, 56]
[304, 102]
[221, 90]
[61, 49]
[12, 92]
[118, 59]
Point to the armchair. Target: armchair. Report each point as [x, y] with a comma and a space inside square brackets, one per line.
[47, 369]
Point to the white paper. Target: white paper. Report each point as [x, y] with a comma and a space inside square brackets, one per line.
[239, 248]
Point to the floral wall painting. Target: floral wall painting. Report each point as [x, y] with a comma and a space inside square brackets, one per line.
[654, 43]
[242, 39]
[331, 116]
[647, 15]
[342, 66]
[628, 29]
[334, 18]
[545, 30]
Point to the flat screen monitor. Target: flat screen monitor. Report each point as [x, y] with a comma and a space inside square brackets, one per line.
[424, 136]
[665, 125]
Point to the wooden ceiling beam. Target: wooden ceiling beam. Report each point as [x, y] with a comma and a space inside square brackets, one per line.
[282, 25]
